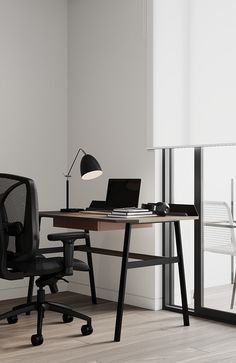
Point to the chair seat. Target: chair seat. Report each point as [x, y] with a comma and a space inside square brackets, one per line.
[40, 265]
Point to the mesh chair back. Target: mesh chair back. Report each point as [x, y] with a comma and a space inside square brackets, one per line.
[217, 238]
[19, 225]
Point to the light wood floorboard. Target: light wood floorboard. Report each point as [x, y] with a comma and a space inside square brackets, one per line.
[147, 336]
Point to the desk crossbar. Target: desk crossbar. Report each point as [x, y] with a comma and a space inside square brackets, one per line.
[146, 260]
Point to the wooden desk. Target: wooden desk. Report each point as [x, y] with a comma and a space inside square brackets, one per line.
[97, 222]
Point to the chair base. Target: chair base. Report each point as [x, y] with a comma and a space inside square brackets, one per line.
[41, 306]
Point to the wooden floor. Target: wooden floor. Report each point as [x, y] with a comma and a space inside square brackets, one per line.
[147, 336]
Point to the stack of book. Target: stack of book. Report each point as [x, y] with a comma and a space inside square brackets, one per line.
[130, 212]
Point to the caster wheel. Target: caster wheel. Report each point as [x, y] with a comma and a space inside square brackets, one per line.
[86, 330]
[12, 320]
[67, 318]
[36, 339]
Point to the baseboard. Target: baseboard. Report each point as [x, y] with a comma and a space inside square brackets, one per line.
[13, 293]
[21, 290]
[103, 293]
[112, 295]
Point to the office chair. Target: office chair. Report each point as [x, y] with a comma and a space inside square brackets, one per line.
[20, 258]
[219, 236]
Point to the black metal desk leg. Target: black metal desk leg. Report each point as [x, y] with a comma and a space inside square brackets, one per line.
[181, 273]
[91, 274]
[123, 276]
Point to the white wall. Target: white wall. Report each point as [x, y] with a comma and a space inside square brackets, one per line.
[107, 114]
[33, 100]
[107, 87]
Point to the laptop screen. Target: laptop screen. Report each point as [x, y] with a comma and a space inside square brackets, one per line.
[122, 193]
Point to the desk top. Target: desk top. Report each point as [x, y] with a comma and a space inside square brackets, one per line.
[104, 218]
[103, 222]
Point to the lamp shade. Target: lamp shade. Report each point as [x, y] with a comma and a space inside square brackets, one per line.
[89, 167]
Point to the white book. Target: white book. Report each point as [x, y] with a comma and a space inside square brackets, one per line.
[131, 210]
[148, 212]
[137, 215]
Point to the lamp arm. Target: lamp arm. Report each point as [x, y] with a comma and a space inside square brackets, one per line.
[68, 174]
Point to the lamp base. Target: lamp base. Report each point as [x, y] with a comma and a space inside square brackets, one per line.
[71, 210]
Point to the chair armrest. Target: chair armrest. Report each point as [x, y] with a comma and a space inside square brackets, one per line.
[14, 229]
[67, 236]
[68, 239]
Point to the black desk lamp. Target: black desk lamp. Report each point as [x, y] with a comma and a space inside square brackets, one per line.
[89, 169]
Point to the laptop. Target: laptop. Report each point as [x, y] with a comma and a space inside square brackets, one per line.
[121, 193]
